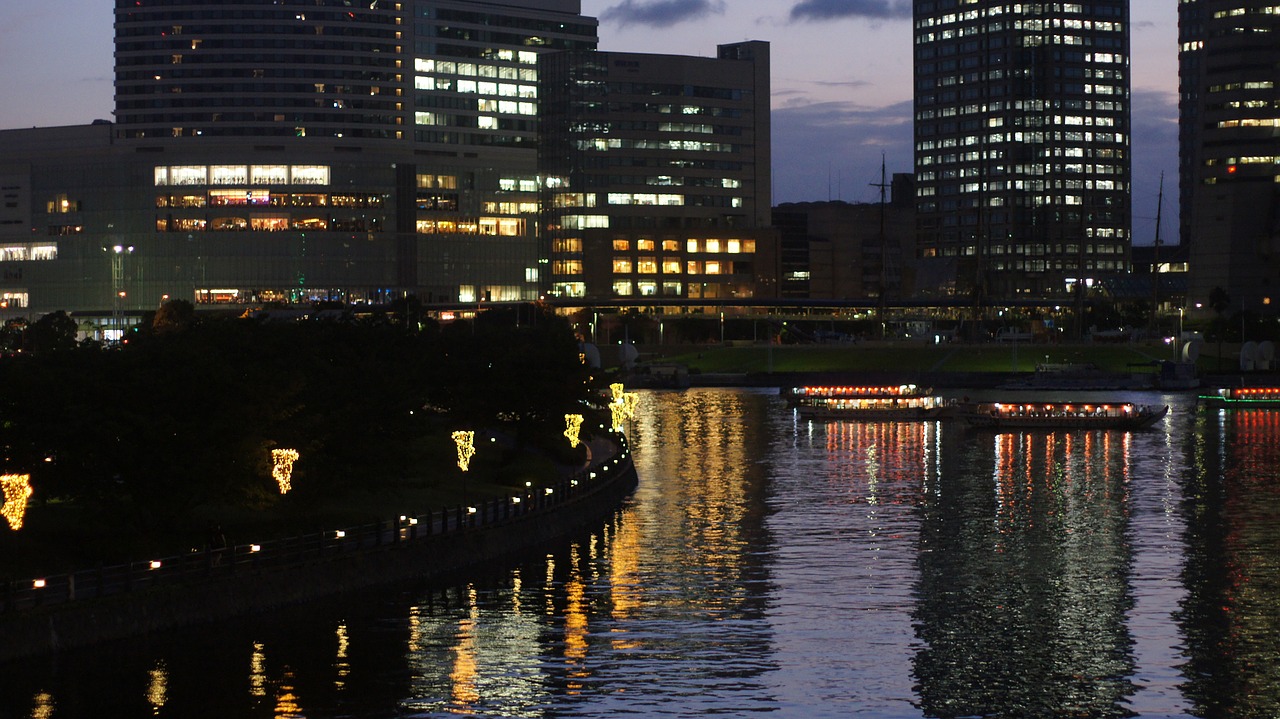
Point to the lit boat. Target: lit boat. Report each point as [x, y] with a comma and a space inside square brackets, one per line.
[1063, 415]
[1242, 397]
[901, 402]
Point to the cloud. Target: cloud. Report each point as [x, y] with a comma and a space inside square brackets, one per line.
[847, 140]
[661, 13]
[817, 10]
[1155, 152]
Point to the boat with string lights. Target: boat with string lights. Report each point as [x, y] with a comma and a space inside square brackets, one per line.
[1241, 398]
[1062, 415]
[905, 402]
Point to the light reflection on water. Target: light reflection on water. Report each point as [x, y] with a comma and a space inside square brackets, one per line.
[771, 565]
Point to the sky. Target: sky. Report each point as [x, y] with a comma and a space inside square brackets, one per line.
[841, 81]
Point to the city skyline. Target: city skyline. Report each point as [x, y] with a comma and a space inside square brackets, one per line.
[841, 82]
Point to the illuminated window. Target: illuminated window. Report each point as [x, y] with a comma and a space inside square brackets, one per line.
[622, 288]
[445, 182]
[693, 267]
[25, 251]
[621, 266]
[691, 246]
[229, 175]
[647, 288]
[712, 267]
[713, 245]
[309, 175]
[671, 289]
[621, 245]
[566, 267]
[670, 245]
[647, 265]
[645, 245]
[268, 174]
[670, 267]
[733, 247]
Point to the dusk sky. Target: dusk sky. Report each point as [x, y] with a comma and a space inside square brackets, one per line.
[841, 81]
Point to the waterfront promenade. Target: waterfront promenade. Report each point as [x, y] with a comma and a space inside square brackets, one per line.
[40, 615]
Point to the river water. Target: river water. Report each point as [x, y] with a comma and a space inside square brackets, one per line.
[771, 566]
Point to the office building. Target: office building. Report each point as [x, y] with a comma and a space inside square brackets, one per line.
[1021, 145]
[1229, 63]
[657, 174]
[845, 251]
[291, 151]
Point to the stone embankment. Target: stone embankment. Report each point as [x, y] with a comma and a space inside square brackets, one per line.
[100, 605]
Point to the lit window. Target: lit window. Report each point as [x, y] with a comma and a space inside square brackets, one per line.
[621, 266]
[713, 246]
[621, 245]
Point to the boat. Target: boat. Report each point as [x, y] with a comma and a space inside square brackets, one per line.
[1063, 415]
[884, 403]
[1241, 398]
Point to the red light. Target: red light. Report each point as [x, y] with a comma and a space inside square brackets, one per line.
[1231, 169]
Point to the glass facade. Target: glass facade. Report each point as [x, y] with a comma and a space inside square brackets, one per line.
[1230, 149]
[1022, 144]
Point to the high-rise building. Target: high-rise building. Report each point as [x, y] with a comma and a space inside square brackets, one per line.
[657, 174]
[1021, 145]
[291, 151]
[1229, 65]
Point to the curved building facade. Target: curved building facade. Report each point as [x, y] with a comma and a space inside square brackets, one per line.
[1229, 64]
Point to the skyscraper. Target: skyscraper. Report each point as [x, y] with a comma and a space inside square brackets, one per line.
[1021, 145]
[1229, 65]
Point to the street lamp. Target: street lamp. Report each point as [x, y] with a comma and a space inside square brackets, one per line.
[118, 253]
[1177, 341]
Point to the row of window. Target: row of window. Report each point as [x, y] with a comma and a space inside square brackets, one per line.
[266, 198]
[651, 265]
[195, 175]
[501, 226]
[269, 223]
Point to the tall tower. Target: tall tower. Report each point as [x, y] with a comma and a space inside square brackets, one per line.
[1229, 77]
[1021, 145]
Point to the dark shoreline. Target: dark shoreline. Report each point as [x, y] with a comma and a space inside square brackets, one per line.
[50, 629]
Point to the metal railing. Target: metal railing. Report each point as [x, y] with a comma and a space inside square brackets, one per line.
[209, 564]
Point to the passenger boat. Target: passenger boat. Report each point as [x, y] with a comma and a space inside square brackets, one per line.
[1063, 415]
[888, 403]
[1242, 398]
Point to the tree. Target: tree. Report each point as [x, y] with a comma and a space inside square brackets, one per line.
[173, 316]
[54, 331]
